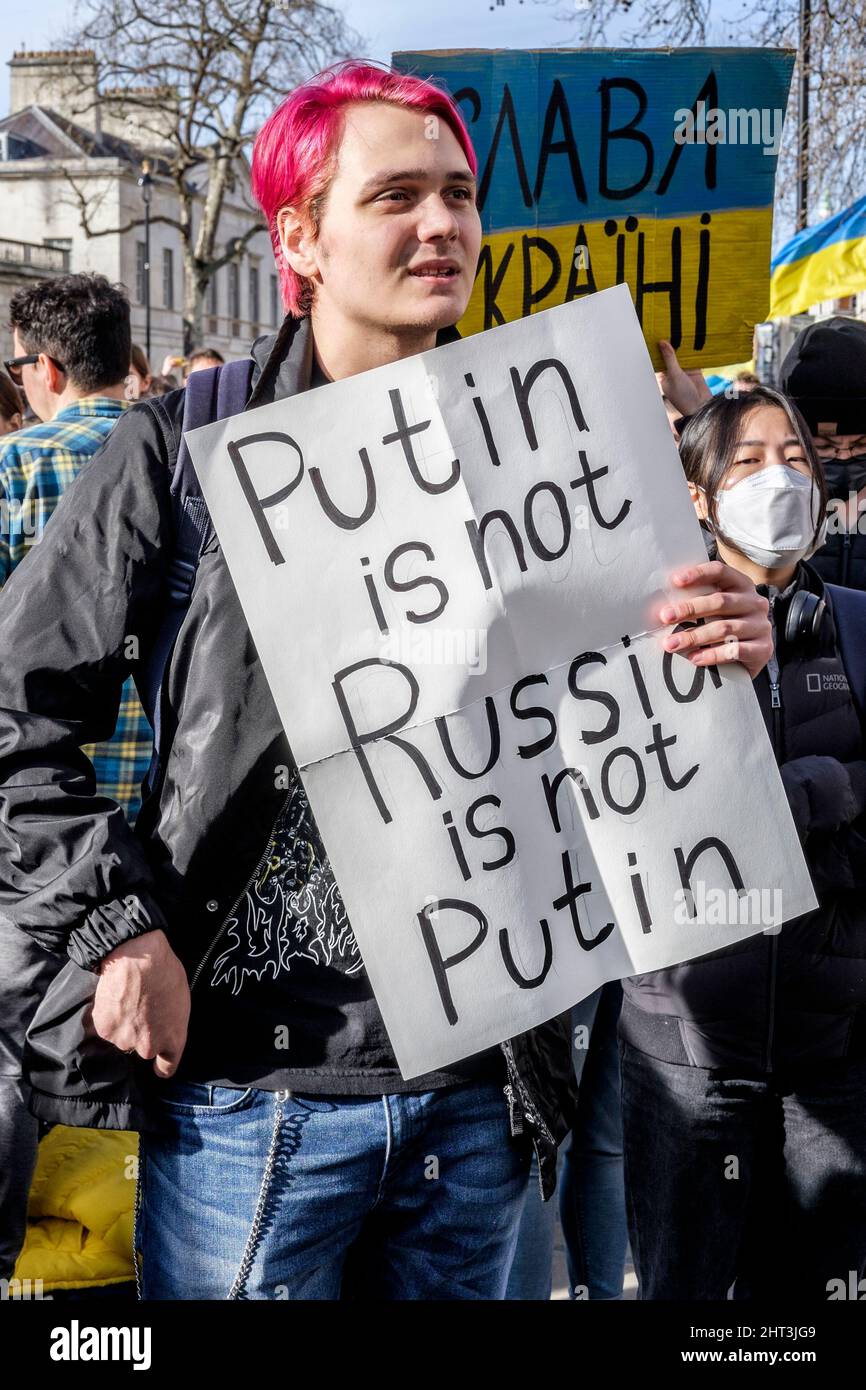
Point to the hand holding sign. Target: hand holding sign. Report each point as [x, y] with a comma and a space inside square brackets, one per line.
[453, 568]
[733, 619]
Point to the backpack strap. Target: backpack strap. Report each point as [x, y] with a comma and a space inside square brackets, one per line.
[210, 395]
[849, 611]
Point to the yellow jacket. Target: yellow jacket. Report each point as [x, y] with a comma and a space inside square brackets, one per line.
[79, 1219]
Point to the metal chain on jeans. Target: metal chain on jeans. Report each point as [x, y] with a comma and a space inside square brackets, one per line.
[252, 1240]
[136, 1213]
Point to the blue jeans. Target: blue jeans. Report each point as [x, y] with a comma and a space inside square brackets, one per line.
[255, 1195]
[591, 1187]
[530, 1278]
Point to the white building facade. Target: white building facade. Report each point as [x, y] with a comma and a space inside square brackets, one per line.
[50, 161]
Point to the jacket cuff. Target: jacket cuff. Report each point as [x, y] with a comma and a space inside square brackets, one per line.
[831, 796]
[820, 793]
[798, 798]
[109, 925]
[857, 777]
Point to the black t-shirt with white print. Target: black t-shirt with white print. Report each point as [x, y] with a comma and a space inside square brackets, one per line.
[284, 1001]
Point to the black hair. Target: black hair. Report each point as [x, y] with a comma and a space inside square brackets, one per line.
[709, 440]
[81, 321]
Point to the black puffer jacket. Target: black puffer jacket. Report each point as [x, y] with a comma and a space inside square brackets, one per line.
[72, 873]
[842, 558]
[798, 994]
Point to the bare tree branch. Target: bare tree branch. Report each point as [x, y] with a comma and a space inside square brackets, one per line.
[86, 209]
[238, 244]
[195, 82]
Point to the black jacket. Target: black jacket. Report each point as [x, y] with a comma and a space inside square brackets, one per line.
[842, 557]
[72, 872]
[842, 560]
[798, 995]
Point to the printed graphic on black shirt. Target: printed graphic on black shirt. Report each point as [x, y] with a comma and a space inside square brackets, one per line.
[293, 911]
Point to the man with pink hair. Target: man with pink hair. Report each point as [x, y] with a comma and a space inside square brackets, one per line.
[283, 1155]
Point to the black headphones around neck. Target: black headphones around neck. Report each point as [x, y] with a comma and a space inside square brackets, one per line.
[804, 618]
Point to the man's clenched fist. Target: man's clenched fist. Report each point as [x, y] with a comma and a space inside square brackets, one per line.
[142, 1001]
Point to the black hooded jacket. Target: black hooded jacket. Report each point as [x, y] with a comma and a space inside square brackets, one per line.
[73, 875]
[795, 996]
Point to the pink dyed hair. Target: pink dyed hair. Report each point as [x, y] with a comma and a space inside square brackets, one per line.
[295, 150]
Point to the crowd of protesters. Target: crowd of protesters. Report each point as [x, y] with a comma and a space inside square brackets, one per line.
[636, 1104]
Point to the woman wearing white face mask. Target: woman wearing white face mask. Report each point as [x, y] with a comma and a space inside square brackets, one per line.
[744, 1072]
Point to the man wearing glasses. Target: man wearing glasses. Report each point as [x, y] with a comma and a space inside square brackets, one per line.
[825, 375]
[71, 341]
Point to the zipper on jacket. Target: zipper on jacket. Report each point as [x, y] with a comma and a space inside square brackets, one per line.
[517, 1087]
[775, 674]
[515, 1123]
[237, 902]
[846, 557]
[776, 707]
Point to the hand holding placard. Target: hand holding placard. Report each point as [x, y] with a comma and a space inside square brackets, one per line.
[507, 831]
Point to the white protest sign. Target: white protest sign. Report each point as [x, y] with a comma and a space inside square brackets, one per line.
[451, 567]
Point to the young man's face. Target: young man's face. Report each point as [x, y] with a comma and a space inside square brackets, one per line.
[399, 232]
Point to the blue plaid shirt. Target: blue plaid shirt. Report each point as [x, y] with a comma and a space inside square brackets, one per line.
[37, 465]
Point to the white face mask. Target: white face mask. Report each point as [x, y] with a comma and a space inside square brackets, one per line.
[771, 516]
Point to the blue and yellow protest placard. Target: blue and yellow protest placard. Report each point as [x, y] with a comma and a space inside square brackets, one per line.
[598, 166]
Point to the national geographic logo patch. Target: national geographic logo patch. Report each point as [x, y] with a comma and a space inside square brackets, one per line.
[819, 682]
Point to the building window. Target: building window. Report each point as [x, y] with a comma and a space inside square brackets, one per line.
[213, 303]
[275, 300]
[168, 277]
[235, 298]
[254, 298]
[140, 272]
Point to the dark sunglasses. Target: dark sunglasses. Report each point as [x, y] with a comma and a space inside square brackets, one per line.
[13, 365]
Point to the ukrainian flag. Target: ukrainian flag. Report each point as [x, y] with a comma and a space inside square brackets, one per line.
[822, 262]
